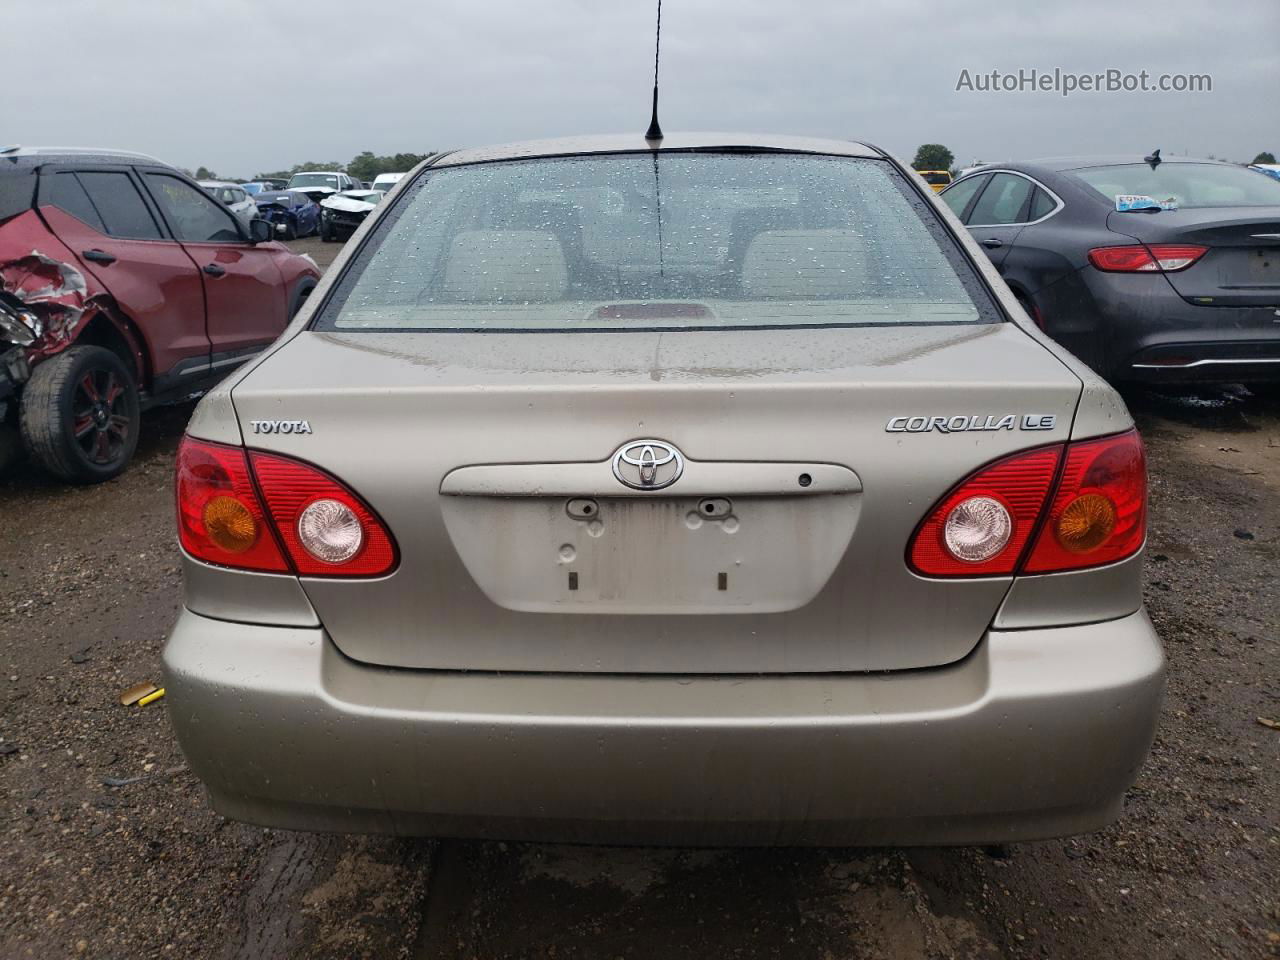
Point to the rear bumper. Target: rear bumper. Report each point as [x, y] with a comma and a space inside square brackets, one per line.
[1158, 337]
[1038, 733]
[1248, 361]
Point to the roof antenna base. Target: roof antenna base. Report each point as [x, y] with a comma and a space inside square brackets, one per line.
[655, 129]
[1152, 158]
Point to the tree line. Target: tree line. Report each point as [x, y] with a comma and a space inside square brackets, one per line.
[364, 166]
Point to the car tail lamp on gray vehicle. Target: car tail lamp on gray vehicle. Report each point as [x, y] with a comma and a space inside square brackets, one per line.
[1139, 258]
[317, 526]
[1097, 514]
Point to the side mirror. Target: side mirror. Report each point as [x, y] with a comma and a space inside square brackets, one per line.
[260, 231]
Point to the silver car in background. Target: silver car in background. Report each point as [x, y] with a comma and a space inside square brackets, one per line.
[710, 490]
[233, 196]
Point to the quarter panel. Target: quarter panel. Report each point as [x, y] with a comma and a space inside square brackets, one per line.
[1077, 596]
[245, 596]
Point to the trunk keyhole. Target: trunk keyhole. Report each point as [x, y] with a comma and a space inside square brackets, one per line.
[580, 508]
[715, 508]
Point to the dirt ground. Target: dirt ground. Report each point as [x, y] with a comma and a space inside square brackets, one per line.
[110, 850]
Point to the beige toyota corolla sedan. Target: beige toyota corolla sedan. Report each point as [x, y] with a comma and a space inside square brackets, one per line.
[710, 490]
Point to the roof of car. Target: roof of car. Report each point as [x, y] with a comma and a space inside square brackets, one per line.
[34, 156]
[217, 183]
[629, 142]
[327, 173]
[1099, 160]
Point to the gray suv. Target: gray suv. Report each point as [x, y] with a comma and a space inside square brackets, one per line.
[703, 491]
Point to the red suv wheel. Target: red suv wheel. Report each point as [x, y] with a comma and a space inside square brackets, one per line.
[80, 415]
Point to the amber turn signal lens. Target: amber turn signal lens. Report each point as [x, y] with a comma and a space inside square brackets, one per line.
[1087, 523]
[229, 524]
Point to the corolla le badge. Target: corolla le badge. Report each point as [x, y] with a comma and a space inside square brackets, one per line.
[647, 464]
[962, 423]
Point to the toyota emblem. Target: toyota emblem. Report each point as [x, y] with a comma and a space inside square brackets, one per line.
[647, 464]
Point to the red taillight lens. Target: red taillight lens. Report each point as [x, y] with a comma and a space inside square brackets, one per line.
[1020, 484]
[220, 519]
[326, 529]
[1159, 257]
[1099, 512]
[1176, 256]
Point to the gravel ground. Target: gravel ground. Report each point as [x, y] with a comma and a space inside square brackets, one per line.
[111, 851]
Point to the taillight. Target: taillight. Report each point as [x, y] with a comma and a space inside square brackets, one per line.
[220, 518]
[326, 529]
[982, 526]
[1097, 514]
[1138, 258]
[1099, 511]
[238, 509]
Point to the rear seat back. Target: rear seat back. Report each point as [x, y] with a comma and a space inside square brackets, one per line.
[505, 266]
[804, 264]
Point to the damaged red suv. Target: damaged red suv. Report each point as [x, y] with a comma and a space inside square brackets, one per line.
[122, 285]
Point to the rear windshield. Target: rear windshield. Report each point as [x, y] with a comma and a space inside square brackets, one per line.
[1189, 184]
[314, 180]
[936, 178]
[658, 241]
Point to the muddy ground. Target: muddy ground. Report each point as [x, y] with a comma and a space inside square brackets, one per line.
[108, 848]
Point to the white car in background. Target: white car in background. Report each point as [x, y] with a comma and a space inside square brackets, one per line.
[342, 213]
[383, 182]
[232, 196]
[318, 184]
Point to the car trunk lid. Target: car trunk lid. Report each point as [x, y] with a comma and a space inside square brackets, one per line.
[480, 451]
[1242, 265]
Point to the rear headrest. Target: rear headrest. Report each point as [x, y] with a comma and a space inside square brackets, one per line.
[494, 266]
[805, 263]
[749, 222]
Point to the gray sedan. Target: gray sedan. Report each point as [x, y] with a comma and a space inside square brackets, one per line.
[709, 490]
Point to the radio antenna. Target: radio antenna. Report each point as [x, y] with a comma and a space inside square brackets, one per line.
[655, 130]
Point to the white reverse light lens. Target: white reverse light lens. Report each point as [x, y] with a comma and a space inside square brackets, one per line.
[977, 529]
[330, 531]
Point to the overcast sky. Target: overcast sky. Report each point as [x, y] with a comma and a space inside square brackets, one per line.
[243, 86]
